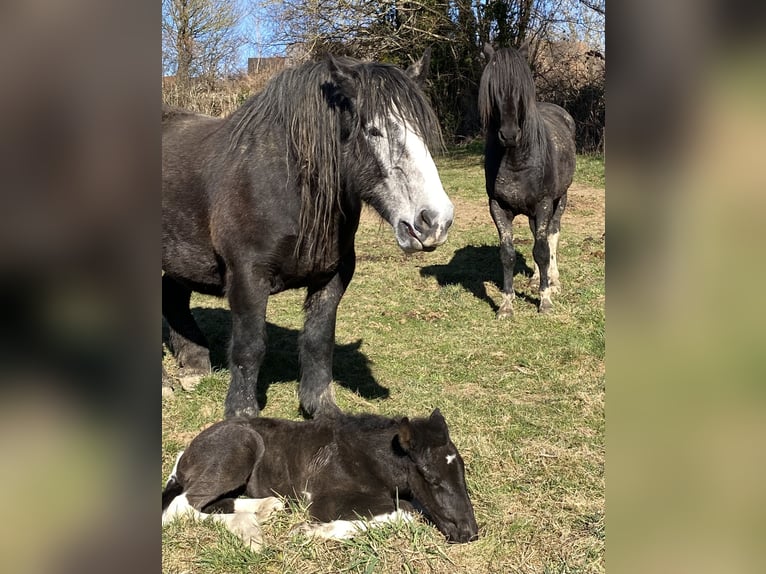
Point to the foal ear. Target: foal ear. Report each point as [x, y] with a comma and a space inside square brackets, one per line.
[405, 434]
[436, 420]
[488, 50]
[418, 70]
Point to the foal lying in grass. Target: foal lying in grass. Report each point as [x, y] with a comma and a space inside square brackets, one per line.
[347, 468]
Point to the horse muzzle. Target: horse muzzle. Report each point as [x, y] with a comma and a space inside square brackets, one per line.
[429, 230]
[461, 533]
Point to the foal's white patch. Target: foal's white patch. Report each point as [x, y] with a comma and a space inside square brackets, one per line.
[344, 529]
[175, 468]
[180, 506]
[450, 458]
[244, 522]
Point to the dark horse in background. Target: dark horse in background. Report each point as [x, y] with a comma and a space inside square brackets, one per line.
[347, 467]
[269, 199]
[529, 163]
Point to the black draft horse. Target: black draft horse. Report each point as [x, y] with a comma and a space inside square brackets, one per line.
[269, 199]
[348, 468]
[529, 161]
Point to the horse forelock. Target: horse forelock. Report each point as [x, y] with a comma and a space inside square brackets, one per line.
[507, 75]
[386, 91]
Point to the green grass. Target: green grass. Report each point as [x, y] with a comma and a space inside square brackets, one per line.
[524, 399]
[590, 170]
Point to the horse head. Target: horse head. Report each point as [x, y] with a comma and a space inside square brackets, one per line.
[387, 126]
[507, 96]
[437, 476]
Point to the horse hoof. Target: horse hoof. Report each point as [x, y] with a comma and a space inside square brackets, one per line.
[269, 506]
[545, 307]
[189, 381]
[167, 392]
[324, 411]
[504, 313]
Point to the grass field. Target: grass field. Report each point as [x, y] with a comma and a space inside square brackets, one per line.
[524, 399]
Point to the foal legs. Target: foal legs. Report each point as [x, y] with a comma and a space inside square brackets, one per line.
[504, 222]
[215, 467]
[186, 340]
[378, 510]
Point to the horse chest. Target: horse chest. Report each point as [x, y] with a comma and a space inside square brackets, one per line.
[519, 189]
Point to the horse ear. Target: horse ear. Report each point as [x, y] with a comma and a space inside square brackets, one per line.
[437, 421]
[405, 434]
[524, 49]
[343, 78]
[418, 70]
[488, 50]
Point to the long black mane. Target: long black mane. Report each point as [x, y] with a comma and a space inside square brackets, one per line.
[309, 107]
[507, 76]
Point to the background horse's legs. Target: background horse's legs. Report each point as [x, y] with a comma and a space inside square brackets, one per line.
[504, 223]
[542, 252]
[553, 242]
[534, 281]
[248, 296]
[317, 342]
[187, 342]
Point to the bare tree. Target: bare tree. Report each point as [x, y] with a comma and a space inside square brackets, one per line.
[200, 38]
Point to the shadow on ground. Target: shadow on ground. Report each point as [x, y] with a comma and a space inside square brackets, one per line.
[473, 266]
[351, 368]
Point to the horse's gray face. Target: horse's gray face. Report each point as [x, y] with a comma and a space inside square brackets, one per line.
[438, 477]
[410, 195]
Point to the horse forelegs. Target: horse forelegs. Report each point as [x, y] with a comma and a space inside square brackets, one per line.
[317, 343]
[504, 223]
[248, 297]
[187, 342]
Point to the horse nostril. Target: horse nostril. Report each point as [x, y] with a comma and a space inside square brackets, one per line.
[427, 217]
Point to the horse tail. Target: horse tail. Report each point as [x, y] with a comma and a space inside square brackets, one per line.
[172, 487]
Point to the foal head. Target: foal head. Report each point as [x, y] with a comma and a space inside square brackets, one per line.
[437, 476]
[389, 126]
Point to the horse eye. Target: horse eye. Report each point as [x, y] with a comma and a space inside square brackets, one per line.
[375, 132]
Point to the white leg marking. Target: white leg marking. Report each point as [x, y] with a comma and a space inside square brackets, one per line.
[344, 529]
[244, 525]
[180, 506]
[553, 270]
[244, 522]
[261, 507]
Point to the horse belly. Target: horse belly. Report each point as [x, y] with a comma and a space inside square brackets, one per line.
[188, 255]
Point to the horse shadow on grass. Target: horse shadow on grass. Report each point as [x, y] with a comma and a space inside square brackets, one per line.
[351, 368]
[473, 266]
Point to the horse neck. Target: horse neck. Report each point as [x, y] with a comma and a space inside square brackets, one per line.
[389, 465]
